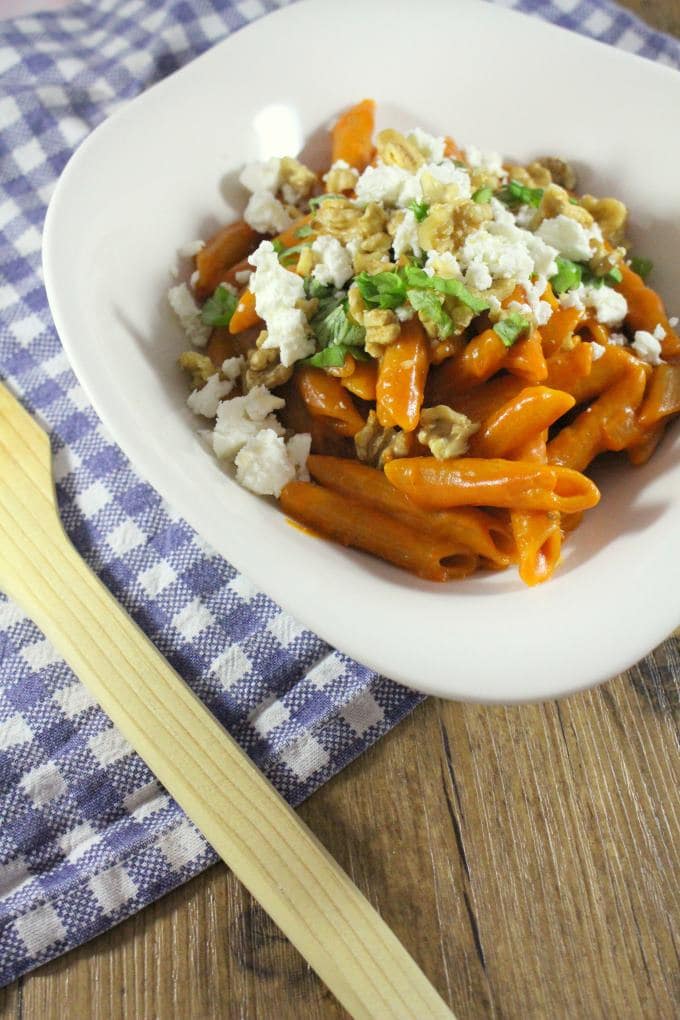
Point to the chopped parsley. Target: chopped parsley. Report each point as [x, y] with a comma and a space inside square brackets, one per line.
[337, 327]
[515, 193]
[382, 290]
[511, 327]
[613, 276]
[389, 290]
[641, 266]
[218, 309]
[418, 278]
[334, 356]
[483, 195]
[427, 302]
[419, 210]
[568, 276]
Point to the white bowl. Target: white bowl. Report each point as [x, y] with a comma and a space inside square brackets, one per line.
[163, 171]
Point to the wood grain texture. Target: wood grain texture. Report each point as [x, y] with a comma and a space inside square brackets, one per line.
[527, 858]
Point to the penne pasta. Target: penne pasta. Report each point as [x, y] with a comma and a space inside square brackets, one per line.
[402, 372]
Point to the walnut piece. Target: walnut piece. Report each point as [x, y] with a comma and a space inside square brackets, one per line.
[396, 150]
[376, 445]
[264, 368]
[447, 224]
[610, 214]
[556, 202]
[198, 366]
[445, 431]
[297, 180]
[560, 171]
[340, 179]
[382, 328]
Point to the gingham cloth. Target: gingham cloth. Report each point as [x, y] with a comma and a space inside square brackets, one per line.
[87, 836]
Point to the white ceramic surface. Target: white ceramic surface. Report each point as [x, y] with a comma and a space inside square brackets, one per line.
[163, 170]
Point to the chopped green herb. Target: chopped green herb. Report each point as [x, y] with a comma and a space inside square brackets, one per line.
[415, 277]
[337, 327]
[483, 195]
[304, 231]
[419, 210]
[574, 201]
[641, 266]
[294, 250]
[568, 276]
[427, 302]
[511, 327]
[515, 193]
[383, 290]
[334, 356]
[218, 309]
[314, 203]
[277, 245]
[315, 289]
[614, 275]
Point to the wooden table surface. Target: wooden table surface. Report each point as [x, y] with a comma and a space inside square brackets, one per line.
[527, 857]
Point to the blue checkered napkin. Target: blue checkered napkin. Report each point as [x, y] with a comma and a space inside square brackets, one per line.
[87, 836]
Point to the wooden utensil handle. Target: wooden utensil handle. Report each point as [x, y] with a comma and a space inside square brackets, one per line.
[250, 826]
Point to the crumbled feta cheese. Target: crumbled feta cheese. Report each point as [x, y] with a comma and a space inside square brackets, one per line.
[406, 237]
[647, 347]
[491, 161]
[540, 309]
[353, 246]
[232, 367]
[524, 215]
[673, 321]
[263, 464]
[659, 332]
[521, 307]
[478, 276]
[241, 418]
[262, 176]
[609, 306]
[494, 304]
[394, 186]
[265, 214]
[542, 312]
[206, 400]
[194, 278]
[191, 248]
[341, 164]
[404, 313]
[381, 184]
[189, 314]
[501, 214]
[597, 349]
[298, 448]
[570, 238]
[431, 146]
[336, 263]
[444, 264]
[575, 298]
[503, 257]
[618, 339]
[242, 276]
[276, 293]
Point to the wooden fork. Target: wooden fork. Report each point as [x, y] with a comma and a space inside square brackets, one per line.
[243, 817]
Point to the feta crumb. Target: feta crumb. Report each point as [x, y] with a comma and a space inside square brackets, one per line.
[189, 314]
[491, 161]
[276, 293]
[647, 347]
[575, 298]
[191, 248]
[262, 176]
[265, 214]
[673, 321]
[478, 276]
[341, 164]
[504, 257]
[298, 448]
[206, 400]
[570, 238]
[263, 464]
[542, 312]
[242, 276]
[521, 307]
[353, 246]
[444, 264]
[431, 146]
[618, 339]
[241, 418]
[659, 332]
[336, 264]
[609, 306]
[232, 367]
[194, 278]
[524, 215]
[404, 313]
[406, 237]
[597, 349]
[381, 184]
[494, 304]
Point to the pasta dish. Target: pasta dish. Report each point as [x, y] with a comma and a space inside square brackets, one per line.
[420, 351]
